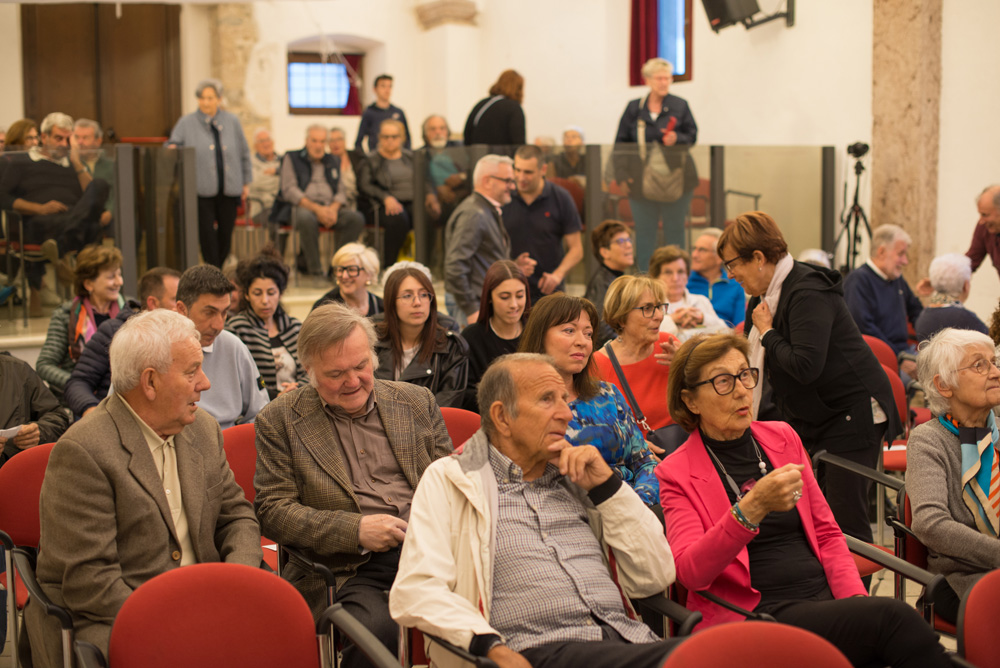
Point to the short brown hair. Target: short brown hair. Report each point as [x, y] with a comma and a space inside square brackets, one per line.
[603, 234]
[668, 255]
[91, 261]
[558, 309]
[754, 231]
[685, 370]
[509, 84]
[151, 283]
[624, 294]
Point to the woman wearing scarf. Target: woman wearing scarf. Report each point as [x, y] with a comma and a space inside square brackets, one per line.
[821, 375]
[98, 284]
[952, 474]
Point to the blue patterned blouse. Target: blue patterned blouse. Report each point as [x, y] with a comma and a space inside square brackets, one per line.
[607, 423]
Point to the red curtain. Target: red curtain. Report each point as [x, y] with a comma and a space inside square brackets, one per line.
[644, 38]
[353, 107]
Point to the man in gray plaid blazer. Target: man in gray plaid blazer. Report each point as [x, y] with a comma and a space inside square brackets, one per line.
[337, 464]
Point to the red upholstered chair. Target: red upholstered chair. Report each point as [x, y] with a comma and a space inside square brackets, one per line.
[574, 189]
[977, 617]
[20, 486]
[894, 455]
[882, 351]
[210, 615]
[756, 644]
[241, 453]
[461, 424]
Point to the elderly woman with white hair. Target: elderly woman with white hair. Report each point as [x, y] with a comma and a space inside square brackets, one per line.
[222, 161]
[354, 267]
[952, 462]
[950, 276]
[658, 178]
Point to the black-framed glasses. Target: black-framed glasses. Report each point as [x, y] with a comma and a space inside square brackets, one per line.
[725, 383]
[351, 270]
[982, 366]
[510, 182]
[649, 309]
[728, 264]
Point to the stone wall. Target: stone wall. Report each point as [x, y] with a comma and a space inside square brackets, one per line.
[235, 34]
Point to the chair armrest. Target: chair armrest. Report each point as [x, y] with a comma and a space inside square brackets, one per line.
[88, 655]
[732, 607]
[685, 619]
[933, 584]
[24, 564]
[337, 617]
[322, 569]
[478, 661]
[875, 476]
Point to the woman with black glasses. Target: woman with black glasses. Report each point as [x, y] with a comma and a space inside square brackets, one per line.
[747, 522]
[354, 267]
[412, 347]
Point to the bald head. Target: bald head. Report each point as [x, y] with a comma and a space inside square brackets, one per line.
[989, 208]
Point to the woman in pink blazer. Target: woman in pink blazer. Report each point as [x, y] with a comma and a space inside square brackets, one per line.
[746, 520]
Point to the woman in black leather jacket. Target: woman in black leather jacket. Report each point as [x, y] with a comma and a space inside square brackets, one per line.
[412, 347]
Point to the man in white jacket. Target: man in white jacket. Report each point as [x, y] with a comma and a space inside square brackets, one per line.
[508, 547]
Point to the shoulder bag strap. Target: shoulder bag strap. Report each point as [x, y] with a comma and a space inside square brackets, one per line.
[639, 417]
[640, 130]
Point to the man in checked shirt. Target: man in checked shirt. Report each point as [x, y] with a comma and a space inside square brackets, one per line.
[506, 545]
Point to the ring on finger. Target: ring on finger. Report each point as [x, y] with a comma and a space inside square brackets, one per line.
[796, 495]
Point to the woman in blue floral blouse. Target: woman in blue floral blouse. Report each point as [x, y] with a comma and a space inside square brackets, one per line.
[562, 327]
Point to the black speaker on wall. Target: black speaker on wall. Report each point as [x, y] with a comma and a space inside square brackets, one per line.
[724, 13]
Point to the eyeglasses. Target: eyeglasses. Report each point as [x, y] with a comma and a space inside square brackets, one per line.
[728, 264]
[725, 383]
[649, 309]
[624, 241]
[982, 366]
[510, 182]
[350, 270]
[390, 136]
[408, 297]
[702, 249]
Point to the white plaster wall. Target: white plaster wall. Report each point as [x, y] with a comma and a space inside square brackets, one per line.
[196, 52]
[11, 76]
[970, 135]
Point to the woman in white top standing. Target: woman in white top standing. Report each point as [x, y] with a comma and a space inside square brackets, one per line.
[688, 314]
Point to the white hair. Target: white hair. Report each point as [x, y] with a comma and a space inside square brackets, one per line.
[941, 355]
[56, 119]
[366, 256]
[320, 127]
[488, 166]
[654, 65]
[259, 132]
[146, 341]
[816, 256]
[407, 264]
[577, 129]
[214, 84]
[93, 125]
[887, 235]
[949, 273]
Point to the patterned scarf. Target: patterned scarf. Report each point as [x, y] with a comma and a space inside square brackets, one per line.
[771, 297]
[82, 324]
[979, 470]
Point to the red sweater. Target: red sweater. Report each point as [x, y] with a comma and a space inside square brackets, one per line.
[647, 380]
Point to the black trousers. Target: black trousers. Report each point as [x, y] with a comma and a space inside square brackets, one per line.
[364, 596]
[216, 220]
[613, 652]
[868, 631]
[394, 228]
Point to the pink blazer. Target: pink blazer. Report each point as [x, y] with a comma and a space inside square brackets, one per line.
[709, 545]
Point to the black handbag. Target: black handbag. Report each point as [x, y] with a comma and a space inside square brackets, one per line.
[670, 437]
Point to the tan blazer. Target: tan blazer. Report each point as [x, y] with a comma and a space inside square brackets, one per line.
[107, 528]
[304, 493]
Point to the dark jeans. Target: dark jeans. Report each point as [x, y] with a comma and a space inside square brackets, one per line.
[364, 596]
[613, 652]
[216, 220]
[394, 229]
[868, 631]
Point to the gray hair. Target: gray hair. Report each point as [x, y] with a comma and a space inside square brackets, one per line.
[996, 195]
[367, 257]
[146, 341]
[93, 125]
[654, 65]
[336, 128]
[56, 119]
[330, 325]
[949, 273]
[941, 356]
[577, 129]
[498, 384]
[488, 165]
[713, 232]
[214, 84]
[887, 235]
[320, 127]
[259, 132]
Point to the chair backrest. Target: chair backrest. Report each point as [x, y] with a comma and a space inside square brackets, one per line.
[461, 424]
[214, 615]
[899, 397]
[20, 486]
[241, 453]
[977, 622]
[882, 351]
[756, 644]
[912, 550]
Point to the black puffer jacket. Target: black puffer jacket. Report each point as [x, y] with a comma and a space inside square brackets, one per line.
[91, 377]
[446, 373]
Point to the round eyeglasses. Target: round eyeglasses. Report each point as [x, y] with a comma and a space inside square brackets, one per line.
[725, 383]
[982, 366]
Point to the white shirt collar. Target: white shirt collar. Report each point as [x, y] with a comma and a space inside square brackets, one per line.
[878, 272]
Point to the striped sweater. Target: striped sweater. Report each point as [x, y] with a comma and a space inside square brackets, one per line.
[252, 331]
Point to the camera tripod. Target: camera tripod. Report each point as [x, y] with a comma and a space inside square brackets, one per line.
[851, 219]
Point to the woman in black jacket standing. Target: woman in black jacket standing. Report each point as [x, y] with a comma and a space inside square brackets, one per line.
[657, 174]
[412, 347]
[498, 120]
[825, 380]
